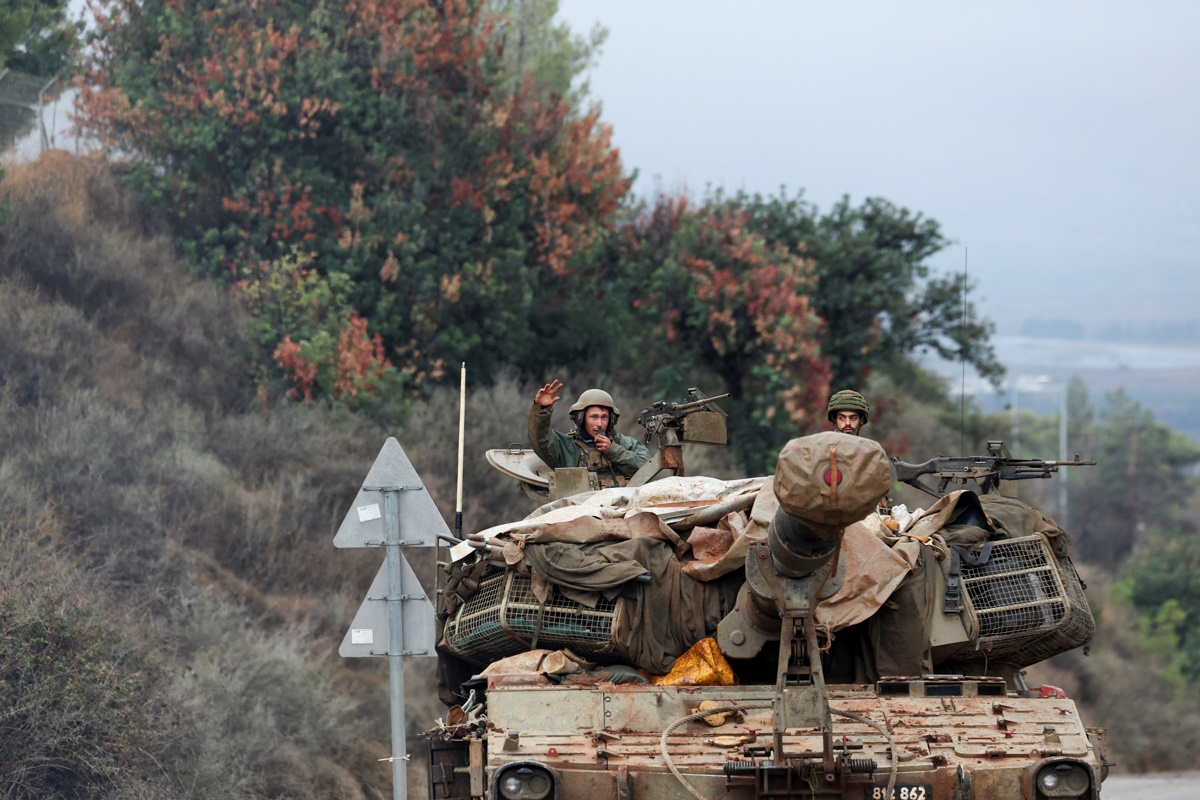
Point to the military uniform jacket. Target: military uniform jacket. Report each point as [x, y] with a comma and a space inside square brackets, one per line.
[557, 449]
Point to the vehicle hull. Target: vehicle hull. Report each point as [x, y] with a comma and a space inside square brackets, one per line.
[605, 742]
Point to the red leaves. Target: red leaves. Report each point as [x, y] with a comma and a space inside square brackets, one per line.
[361, 367]
[361, 363]
[301, 371]
[748, 301]
[576, 182]
[365, 137]
[463, 192]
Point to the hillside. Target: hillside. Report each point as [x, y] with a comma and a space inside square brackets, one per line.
[171, 600]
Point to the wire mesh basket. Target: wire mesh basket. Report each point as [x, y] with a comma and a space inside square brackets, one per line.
[504, 618]
[1028, 604]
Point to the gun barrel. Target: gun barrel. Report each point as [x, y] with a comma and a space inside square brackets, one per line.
[823, 483]
[701, 403]
[986, 469]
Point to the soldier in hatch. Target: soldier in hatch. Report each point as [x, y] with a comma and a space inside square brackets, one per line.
[594, 442]
[849, 412]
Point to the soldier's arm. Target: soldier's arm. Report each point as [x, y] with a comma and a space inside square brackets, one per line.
[546, 441]
[627, 454]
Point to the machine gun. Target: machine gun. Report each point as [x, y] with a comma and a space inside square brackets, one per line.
[661, 415]
[987, 470]
[695, 421]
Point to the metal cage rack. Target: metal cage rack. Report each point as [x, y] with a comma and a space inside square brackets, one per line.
[1027, 603]
[504, 618]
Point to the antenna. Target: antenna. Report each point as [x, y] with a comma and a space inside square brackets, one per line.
[962, 398]
[462, 415]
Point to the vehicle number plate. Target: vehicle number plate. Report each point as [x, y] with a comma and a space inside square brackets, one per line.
[903, 792]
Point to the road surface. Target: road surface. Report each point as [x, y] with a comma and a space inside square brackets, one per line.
[1160, 786]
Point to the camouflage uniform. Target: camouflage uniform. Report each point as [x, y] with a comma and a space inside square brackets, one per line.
[625, 455]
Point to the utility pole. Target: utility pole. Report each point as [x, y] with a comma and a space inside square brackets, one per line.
[1016, 425]
[1062, 456]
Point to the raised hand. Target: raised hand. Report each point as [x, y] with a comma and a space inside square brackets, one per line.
[548, 394]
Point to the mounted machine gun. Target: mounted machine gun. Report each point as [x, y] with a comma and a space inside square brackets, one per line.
[671, 425]
[988, 471]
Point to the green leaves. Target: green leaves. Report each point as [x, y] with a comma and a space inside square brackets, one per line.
[384, 142]
[872, 287]
[37, 37]
[722, 299]
[394, 185]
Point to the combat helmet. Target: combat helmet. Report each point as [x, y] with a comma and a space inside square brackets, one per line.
[847, 400]
[595, 397]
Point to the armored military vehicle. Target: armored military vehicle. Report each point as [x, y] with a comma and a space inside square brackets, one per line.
[752, 611]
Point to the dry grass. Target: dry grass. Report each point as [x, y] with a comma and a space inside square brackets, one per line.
[133, 448]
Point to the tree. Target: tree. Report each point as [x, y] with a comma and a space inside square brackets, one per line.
[534, 48]
[1161, 583]
[873, 289]
[37, 43]
[438, 200]
[715, 297]
[37, 37]
[1140, 481]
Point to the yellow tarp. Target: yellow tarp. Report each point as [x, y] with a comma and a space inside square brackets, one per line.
[702, 665]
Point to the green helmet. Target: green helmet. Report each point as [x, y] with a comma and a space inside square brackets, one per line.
[595, 397]
[847, 400]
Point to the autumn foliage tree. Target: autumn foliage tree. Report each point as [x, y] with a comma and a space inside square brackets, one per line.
[873, 286]
[720, 298]
[378, 139]
[391, 195]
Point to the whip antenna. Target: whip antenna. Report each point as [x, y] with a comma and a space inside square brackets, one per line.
[962, 398]
[462, 416]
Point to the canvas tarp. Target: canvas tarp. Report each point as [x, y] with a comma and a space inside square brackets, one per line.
[666, 615]
[607, 542]
[603, 544]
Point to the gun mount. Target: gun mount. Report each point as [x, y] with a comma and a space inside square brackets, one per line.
[988, 471]
[671, 425]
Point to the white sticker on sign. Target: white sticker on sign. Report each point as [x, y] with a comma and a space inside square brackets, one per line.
[362, 636]
[368, 512]
[461, 551]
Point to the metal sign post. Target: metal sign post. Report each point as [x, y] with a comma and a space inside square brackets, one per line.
[409, 621]
[395, 653]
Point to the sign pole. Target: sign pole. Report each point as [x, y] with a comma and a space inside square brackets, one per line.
[391, 523]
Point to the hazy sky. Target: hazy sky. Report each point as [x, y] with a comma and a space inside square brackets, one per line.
[1059, 142]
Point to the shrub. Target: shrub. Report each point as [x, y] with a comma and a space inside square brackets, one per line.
[77, 699]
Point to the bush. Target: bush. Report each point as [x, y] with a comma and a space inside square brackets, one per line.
[77, 698]
[1152, 723]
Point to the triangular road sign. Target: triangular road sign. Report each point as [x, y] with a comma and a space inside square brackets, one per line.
[368, 634]
[420, 520]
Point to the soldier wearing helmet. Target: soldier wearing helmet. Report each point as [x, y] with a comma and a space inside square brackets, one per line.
[848, 411]
[593, 443]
